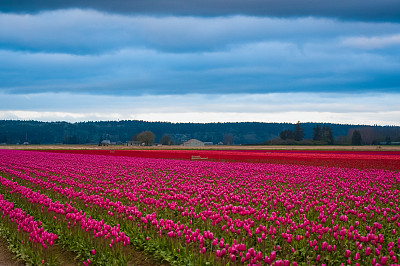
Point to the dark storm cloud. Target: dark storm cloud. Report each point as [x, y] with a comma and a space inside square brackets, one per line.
[368, 10]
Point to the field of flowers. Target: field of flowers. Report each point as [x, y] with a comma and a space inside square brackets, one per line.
[389, 160]
[186, 212]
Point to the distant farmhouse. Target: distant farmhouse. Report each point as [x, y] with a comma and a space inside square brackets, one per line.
[133, 143]
[193, 143]
[105, 142]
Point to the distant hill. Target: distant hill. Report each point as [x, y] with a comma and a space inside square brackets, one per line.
[36, 132]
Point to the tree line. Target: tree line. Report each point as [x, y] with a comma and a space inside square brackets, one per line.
[323, 135]
[320, 135]
[91, 132]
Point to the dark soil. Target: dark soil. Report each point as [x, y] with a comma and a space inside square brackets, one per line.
[66, 258]
[7, 258]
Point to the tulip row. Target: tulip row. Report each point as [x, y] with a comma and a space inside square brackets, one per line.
[30, 237]
[85, 234]
[217, 213]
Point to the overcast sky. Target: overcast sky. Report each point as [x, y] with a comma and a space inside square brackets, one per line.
[201, 61]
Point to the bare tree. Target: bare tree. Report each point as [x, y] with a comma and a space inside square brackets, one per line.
[146, 137]
[228, 139]
[166, 140]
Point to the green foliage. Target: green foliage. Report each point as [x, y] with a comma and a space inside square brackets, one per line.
[356, 138]
[24, 250]
[286, 134]
[323, 134]
[298, 132]
[16, 131]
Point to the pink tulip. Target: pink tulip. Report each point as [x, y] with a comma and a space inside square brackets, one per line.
[347, 253]
[368, 251]
[272, 256]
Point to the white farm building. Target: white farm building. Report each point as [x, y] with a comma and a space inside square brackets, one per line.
[194, 143]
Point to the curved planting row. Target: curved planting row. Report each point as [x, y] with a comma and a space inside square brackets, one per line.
[26, 233]
[186, 212]
[70, 221]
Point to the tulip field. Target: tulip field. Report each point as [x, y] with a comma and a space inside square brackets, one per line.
[388, 160]
[325, 208]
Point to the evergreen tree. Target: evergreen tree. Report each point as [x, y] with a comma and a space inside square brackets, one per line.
[298, 132]
[290, 134]
[286, 134]
[328, 136]
[317, 133]
[356, 138]
[283, 135]
[324, 134]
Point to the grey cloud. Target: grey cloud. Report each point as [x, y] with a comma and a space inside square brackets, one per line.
[368, 10]
[91, 32]
[86, 51]
[252, 68]
[374, 42]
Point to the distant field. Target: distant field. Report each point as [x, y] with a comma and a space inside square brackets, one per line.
[361, 157]
[213, 147]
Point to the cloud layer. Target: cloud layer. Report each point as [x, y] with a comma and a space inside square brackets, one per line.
[382, 10]
[201, 61]
[369, 108]
[85, 51]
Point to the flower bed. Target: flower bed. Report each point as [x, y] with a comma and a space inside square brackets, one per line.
[198, 212]
[389, 160]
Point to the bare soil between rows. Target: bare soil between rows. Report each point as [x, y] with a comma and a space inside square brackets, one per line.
[66, 258]
[7, 258]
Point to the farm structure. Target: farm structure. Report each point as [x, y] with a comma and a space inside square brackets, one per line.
[193, 143]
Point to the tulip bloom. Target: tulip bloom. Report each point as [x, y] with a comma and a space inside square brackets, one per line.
[368, 251]
[347, 253]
